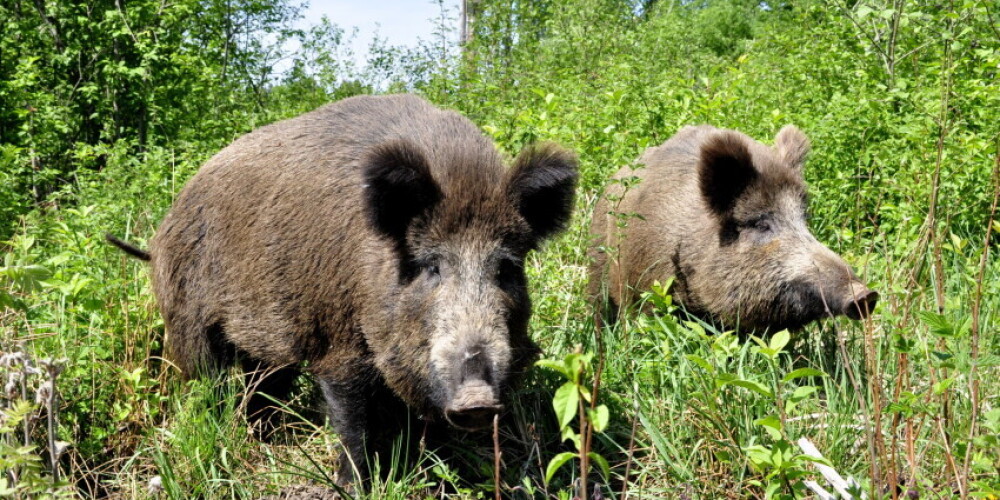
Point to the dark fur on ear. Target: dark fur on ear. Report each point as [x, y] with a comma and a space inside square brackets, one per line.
[542, 184]
[398, 188]
[725, 170]
[792, 146]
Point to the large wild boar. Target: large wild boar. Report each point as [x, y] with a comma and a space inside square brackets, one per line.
[381, 241]
[726, 217]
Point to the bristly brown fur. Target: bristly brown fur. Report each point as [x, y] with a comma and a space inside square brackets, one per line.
[725, 216]
[374, 238]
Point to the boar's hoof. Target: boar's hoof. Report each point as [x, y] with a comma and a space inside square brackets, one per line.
[473, 407]
[861, 305]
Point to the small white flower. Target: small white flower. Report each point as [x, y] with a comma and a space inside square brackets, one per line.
[53, 366]
[155, 485]
[60, 448]
[12, 359]
[13, 386]
[44, 393]
[29, 368]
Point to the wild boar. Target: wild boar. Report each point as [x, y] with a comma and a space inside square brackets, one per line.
[381, 241]
[725, 216]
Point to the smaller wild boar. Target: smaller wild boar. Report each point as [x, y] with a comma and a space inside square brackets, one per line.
[380, 240]
[726, 217]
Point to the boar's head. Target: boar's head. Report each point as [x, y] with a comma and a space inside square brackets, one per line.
[461, 226]
[766, 269]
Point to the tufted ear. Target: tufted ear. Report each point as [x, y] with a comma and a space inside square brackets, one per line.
[398, 188]
[725, 170]
[792, 146]
[542, 185]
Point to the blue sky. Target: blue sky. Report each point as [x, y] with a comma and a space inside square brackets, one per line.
[401, 22]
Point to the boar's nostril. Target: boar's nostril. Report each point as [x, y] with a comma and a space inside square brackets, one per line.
[861, 305]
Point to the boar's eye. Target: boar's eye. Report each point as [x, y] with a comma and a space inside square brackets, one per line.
[508, 272]
[761, 223]
[430, 267]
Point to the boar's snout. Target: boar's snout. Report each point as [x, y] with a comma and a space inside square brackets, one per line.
[473, 406]
[475, 400]
[861, 303]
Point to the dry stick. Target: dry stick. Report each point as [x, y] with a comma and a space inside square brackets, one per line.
[496, 455]
[976, 304]
[584, 448]
[949, 455]
[937, 264]
[24, 395]
[587, 425]
[911, 452]
[876, 395]
[631, 443]
[842, 347]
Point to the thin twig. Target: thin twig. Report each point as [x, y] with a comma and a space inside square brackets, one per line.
[496, 455]
[631, 445]
[976, 305]
[950, 456]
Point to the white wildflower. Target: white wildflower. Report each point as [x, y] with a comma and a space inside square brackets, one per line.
[155, 485]
[13, 385]
[60, 448]
[44, 393]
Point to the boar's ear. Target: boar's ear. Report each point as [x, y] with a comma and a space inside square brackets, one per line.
[542, 184]
[725, 170]
[398, 187]
[792, 146]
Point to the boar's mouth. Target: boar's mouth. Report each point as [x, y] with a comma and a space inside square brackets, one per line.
[801, 302]
[473, 406]
[861, 305]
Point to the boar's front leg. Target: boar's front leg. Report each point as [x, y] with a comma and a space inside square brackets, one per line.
[349, 416]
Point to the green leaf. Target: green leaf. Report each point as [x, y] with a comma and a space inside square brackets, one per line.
[938, 324]
[802, 372]
[780, 340]
[771, 424]
[599, 418]
[701, 362]
[601, 462]
[803, 392]
[942, 386]
[5, 489]
[568, 433]
[772, 488]
[557, 462]
[751, 385]
[554, 365]
[759, 456]
[565, 402]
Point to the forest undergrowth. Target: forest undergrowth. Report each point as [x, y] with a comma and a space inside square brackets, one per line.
[106, 109]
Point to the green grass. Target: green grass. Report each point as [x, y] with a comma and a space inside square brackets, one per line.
[129, 419]
[902, 178]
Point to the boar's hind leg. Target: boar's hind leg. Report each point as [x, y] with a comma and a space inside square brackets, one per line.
[267, 389]
[196, 346]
